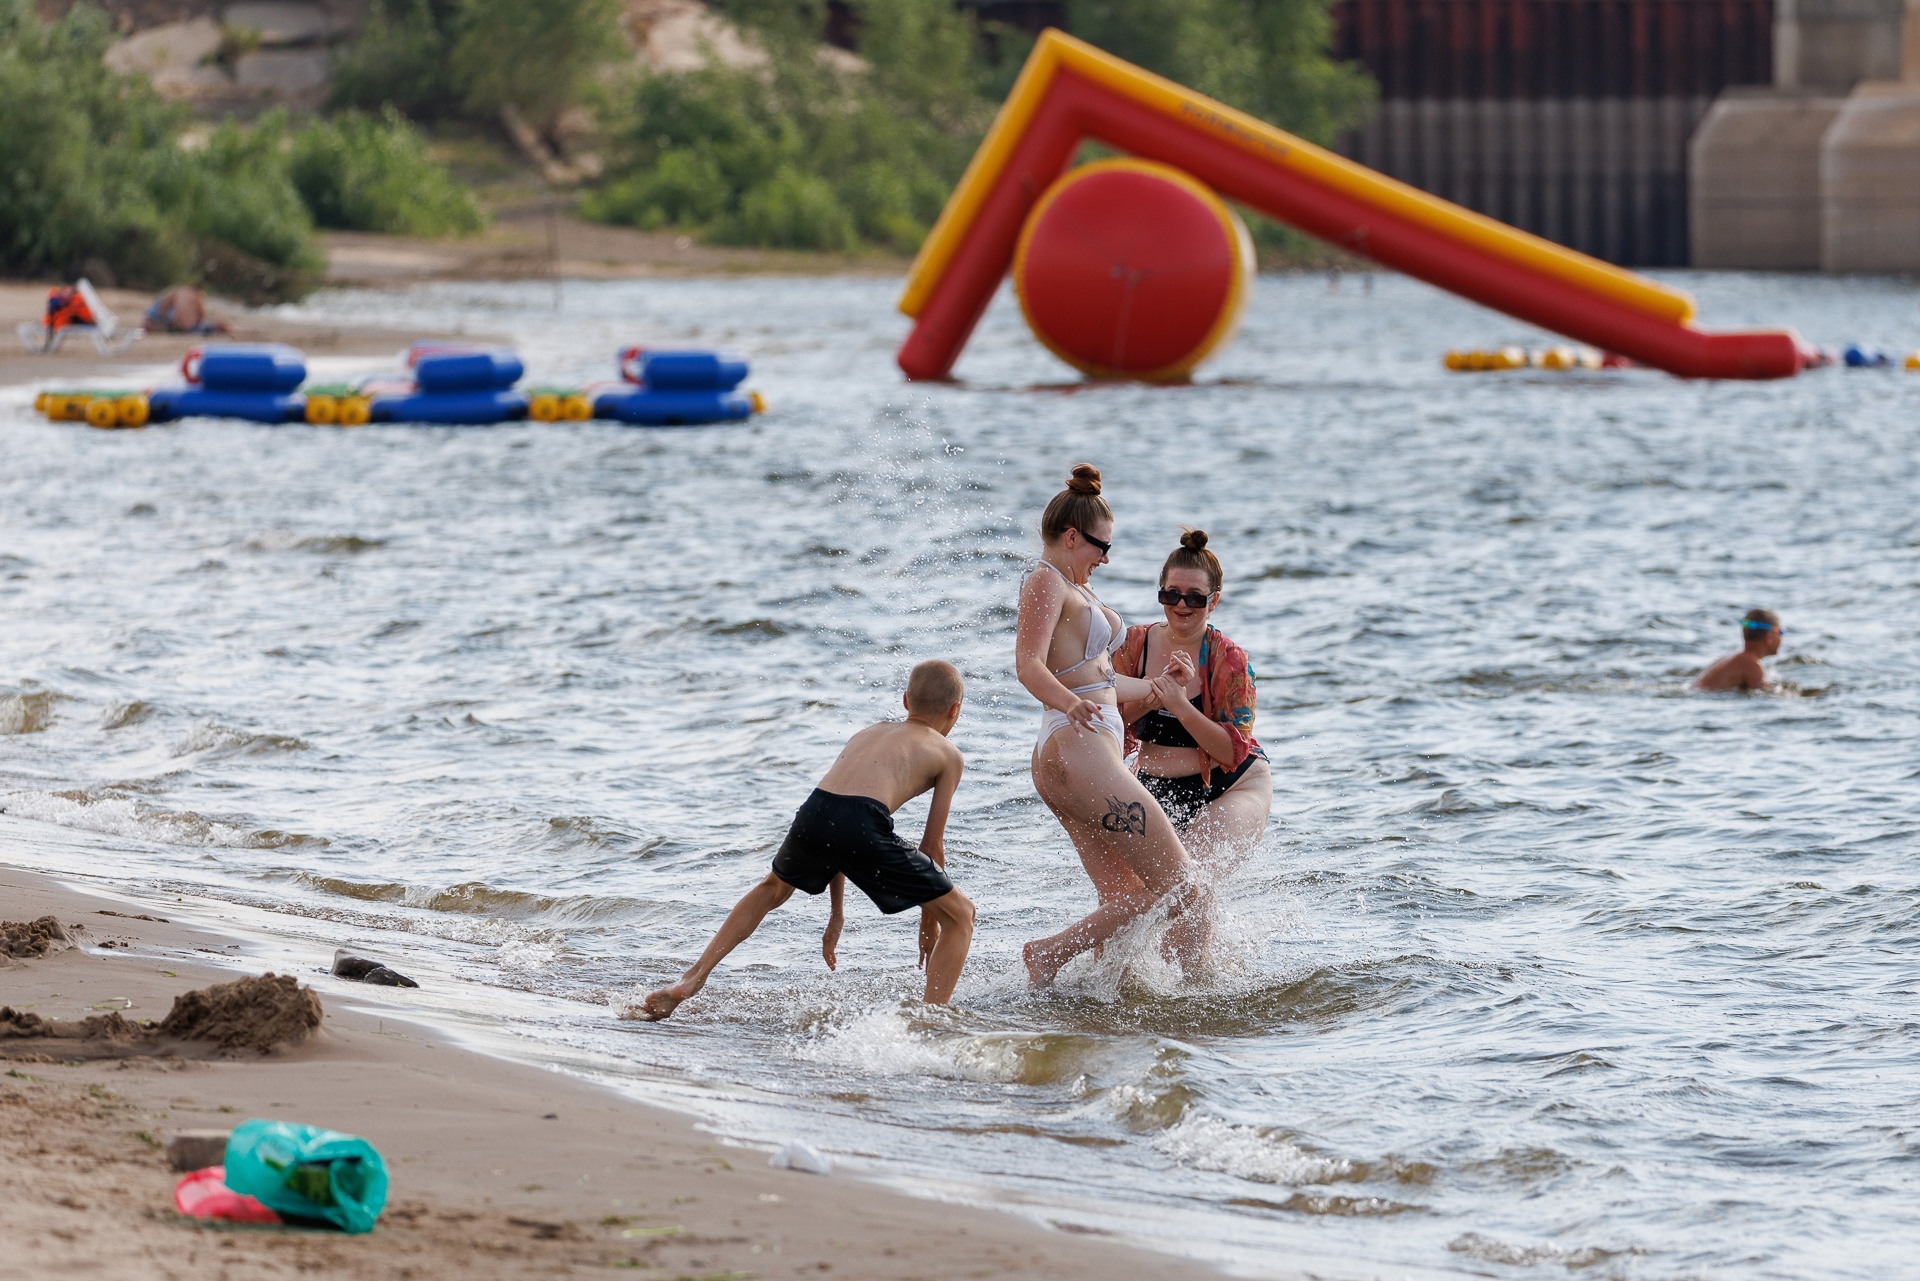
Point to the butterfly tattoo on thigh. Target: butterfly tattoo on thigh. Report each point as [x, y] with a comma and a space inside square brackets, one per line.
[1125, 816]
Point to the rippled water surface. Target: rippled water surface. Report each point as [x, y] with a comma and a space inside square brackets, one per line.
[1547, 967]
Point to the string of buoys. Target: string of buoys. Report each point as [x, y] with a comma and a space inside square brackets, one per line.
[1859, 356]
[447, 384]
[1495, 359]
[105, 409]
[1563, 357]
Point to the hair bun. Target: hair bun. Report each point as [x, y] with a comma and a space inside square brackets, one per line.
[1194, 540]
[1085, 479]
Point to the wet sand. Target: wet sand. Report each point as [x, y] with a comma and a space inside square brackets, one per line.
[498, 1170]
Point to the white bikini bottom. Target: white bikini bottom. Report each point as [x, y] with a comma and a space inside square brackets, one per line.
[1052, 722]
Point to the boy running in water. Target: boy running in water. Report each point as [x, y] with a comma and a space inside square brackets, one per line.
[845, 831]
[1760, 633]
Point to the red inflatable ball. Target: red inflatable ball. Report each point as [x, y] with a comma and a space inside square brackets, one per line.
[1129, 269]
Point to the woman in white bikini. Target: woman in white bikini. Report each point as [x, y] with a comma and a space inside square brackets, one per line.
[1062, 654]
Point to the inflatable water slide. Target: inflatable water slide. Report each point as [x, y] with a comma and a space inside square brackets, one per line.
[1070, 92]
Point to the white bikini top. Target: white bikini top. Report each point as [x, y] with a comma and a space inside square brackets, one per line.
[1104, 636]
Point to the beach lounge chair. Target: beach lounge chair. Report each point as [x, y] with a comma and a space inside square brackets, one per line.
[78, 310]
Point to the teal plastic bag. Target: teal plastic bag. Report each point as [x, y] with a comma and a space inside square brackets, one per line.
[305, 1172]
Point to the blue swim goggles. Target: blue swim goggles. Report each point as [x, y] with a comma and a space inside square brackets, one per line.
[1755, 625]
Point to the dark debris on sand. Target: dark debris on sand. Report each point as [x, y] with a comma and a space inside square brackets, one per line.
[363, 969]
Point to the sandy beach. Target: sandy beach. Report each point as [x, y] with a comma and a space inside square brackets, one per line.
[79, 361]
[498, 1170]
[522, 243]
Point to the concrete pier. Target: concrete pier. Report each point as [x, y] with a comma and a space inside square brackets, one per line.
[1754, 168]
[1870, 181]
[1832, 45]
[1823, 171]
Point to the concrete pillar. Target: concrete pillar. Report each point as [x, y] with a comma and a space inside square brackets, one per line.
[1753, 178]
[1870, 181]
[1829, 46]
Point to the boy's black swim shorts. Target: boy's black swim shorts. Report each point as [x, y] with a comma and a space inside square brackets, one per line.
[854, 834]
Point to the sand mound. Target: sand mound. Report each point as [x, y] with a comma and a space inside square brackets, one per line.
[257, 1014]
[32, 938]
[113, 1027]
[251, 1014]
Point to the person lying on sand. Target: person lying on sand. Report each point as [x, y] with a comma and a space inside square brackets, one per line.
[182, 310]
[845, 830]
[1760, 631]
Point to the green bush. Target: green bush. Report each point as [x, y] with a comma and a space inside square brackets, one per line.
[800, 154]
[1266, 57]
[790, 210]
[373, 173]
[682, 188]
[400, 60]
[431, 58]
[240, 194]
[533, 57]
[92, 178]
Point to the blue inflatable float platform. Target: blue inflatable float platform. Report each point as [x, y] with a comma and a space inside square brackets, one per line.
[676, 389]
[445, 384]
[255, 381]
[457, 387]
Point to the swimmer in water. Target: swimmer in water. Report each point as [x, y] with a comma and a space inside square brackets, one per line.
[845, 830]
[1760, 630]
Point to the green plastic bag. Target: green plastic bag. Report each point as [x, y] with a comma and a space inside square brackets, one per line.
[305, 1172]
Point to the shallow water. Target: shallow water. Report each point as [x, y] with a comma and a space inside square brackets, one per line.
[1547, 967]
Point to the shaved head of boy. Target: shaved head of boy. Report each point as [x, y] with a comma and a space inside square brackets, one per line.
[933, 687]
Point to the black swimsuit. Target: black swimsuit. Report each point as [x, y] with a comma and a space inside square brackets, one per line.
[1163, 729]
[1185, 796]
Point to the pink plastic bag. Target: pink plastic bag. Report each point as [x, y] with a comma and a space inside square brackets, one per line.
[204, 1194]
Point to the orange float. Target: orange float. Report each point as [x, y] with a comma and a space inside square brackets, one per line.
[1128, 269]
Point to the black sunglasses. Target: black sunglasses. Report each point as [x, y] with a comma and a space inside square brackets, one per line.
[1194, 600]
[1105, 548]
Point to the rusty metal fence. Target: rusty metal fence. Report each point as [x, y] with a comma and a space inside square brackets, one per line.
[1569, 118]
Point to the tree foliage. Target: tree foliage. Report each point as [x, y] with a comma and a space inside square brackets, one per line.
[434, 58]
[799, 153]
[98, 175]
[1267, 57]
[802, 152]
[92, 177]
[359, 172]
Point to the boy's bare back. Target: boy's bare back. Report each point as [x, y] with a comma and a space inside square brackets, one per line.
[893, 762]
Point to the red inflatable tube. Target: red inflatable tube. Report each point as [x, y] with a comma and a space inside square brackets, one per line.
[1075, 108]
